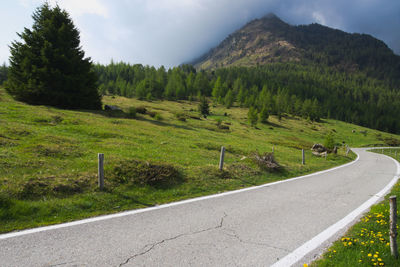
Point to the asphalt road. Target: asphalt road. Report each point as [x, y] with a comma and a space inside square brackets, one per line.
[255, 227]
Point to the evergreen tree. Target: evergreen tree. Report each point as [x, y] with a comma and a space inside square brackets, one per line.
[204, 107]
[229, 99]
[252, 116]
[48, 67]
[3, 73]
[264, 115]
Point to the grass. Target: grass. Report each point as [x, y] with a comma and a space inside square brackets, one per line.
[48, 156]
[367, 242]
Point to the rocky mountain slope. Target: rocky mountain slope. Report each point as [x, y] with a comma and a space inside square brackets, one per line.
[270, 39]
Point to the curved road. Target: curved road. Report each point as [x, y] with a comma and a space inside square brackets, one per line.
[260, 226]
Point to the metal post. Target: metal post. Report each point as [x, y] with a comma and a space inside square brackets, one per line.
[221, 158]
[393, 226]
[101, 171]
[303, 161]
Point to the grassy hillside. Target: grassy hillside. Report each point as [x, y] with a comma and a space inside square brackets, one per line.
[48, 156]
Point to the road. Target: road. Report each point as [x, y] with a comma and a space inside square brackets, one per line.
[252, 227]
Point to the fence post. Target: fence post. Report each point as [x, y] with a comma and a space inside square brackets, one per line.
[303, 160]
[221, 158]
[393, 226]
[101, 170]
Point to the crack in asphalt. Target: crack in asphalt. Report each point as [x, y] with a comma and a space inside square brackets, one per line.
[150, 247]
[59, 264]
[235, 235]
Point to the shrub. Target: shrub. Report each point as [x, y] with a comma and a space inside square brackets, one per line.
[181, 116]
[141, 110]
[158, 117]
[145, 173]
[152, 113]
[132, 112]
[329, 142]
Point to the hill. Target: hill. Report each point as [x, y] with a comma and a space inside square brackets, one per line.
[48, 156]
[269, 39]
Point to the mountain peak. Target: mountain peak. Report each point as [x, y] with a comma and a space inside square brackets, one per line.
[269, 39]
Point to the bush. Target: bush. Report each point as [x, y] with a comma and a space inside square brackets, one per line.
[145, 173]
[181, 116]
[152, 113]
[132, 112]
[141, 110]
[329, 142]
[158, 117]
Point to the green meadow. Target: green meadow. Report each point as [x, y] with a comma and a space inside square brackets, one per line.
[48, 156]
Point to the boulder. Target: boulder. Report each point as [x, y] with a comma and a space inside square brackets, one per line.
[110, 107]
[318, 148]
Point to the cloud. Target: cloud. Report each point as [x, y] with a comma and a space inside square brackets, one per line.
[83, 7]
[169, 32]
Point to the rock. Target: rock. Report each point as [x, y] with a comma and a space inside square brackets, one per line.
[318, 148]
[110, 107]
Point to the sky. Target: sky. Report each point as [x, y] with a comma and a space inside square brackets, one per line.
[170, 32]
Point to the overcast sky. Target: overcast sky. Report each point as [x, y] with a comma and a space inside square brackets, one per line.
[169, 32]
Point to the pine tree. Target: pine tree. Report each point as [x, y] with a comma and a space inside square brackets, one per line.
[204, 107]
[229, 99]
[3, 73]
[264, 115]
[252, 116]
[48, 66]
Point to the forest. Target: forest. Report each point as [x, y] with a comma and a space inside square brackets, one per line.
[310, 91]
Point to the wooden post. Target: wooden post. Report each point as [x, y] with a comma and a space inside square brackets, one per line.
[393, 226]
[303, 160]
[347, 151]
[101, 171]
[221, 158]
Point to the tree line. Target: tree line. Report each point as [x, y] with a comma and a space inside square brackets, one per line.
[309, 91]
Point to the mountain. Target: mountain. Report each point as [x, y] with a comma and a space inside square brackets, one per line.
[269, 39]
